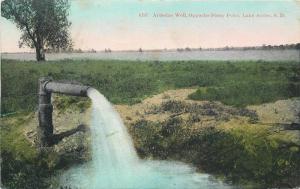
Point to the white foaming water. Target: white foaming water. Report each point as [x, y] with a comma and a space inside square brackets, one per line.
[115, 163]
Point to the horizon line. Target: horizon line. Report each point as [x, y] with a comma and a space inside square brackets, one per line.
[166, 49]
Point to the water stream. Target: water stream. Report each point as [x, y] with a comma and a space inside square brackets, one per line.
[115, 163]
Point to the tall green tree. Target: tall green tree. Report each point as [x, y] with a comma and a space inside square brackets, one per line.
[44, 23]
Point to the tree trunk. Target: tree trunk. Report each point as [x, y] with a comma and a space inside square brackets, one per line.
[40, 52]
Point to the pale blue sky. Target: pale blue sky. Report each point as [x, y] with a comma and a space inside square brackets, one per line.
[115, 24]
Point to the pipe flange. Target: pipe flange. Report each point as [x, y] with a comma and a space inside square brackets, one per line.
[43, 82]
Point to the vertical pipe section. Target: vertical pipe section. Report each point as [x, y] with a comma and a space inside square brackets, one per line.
[45, 127]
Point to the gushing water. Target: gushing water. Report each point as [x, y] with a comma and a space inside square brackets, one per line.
[115, 163]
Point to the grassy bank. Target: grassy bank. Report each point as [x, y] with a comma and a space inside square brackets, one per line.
[240, 152]
[21, 166]
[234, 143]
[234, 83]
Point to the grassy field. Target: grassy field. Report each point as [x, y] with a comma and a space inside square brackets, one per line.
[233, 83]
[252, 153]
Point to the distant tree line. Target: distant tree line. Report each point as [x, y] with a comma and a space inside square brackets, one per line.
[263, 47]
[70, 50]
[287, 46]
[186, 49]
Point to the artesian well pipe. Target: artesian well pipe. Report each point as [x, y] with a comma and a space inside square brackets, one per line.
[66, 88]
[46, 87]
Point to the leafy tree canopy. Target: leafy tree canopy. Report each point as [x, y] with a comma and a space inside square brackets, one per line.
[43, 23]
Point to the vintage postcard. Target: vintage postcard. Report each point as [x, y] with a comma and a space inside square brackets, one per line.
[150, 94]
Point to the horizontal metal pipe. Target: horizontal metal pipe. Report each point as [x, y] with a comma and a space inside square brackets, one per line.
[66, 88]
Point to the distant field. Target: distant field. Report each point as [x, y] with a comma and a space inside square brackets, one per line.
[237, 83]
[224, 55]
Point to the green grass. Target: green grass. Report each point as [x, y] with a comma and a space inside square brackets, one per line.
[234, 83]
[21, 166]
[249, 92]
[12, 138]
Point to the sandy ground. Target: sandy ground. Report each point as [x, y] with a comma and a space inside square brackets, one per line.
[281, 111]
[135, 112]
